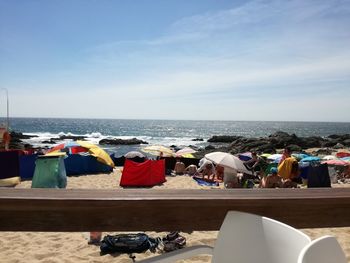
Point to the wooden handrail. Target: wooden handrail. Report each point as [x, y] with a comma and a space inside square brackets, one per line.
[165, 210]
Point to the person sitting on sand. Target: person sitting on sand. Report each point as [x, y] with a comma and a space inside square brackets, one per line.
[231, 178]
[272, 180]
[207, 170]
[179, 168]
[219, 172]
[191, 170]
[256, 164]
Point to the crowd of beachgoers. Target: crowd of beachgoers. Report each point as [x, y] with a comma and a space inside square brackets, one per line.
[283, 168]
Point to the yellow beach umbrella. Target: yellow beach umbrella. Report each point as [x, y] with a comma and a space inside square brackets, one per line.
[157, 149]
[97, 152]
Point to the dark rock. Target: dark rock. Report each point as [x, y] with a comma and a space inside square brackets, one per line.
[346, 142]
[310, 142]
[223, 138]
[72, 137]
[338, 146]
[51, 141]
[294, 148]
[340, 136]
[122, 142]
[323, 151]
[209, 147]
[198, 140]
[19, 136]
[330, 143]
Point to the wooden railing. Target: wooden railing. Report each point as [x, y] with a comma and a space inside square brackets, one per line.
[165, 210]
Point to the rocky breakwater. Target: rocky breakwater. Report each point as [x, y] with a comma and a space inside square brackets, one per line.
[17, 143]
[279, 140]
[132, 141]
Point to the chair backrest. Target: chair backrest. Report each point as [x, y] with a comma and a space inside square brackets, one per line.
[246, 238]
[322, 250]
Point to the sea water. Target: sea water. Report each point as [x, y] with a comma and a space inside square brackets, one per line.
[163, 132]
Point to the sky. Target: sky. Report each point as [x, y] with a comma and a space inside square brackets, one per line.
[176, 59]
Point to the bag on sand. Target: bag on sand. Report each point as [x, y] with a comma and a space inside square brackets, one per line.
[128, 243]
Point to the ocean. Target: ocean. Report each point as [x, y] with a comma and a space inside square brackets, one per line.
[164, 132]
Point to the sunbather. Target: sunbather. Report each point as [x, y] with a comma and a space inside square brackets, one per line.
[179, 168]
[191, 170]
[207, 170]
[272, 180]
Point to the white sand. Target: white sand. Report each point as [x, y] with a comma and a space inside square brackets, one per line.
[73, 247]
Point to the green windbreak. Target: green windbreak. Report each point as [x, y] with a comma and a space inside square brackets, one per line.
[50, 172]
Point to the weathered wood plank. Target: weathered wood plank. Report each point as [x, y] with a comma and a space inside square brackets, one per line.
[164, 210]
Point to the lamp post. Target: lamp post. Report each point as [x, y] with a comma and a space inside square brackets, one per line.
[7, 108]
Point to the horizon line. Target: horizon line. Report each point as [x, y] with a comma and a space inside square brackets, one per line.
[160, 119]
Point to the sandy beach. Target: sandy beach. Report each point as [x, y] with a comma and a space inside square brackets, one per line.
[73, 247]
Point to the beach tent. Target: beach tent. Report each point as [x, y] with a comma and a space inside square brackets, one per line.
[49, 172]
[83, 158]
[148, 173]
[9, 164]
[76, 164]
[318, 176]
[75, 147]
[27, 166]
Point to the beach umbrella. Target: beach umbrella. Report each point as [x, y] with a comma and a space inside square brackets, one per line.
[266, 155]
[275, 157]
[329, 157]
[346, 159]
[245, 156]
[336, 162]
[75, 147]
[342, 154]
[300, 156]
[311, 159]
[134, 154]
[68, 147]
[157, 149]
[185, 151]
[188, 155]
[226, 160]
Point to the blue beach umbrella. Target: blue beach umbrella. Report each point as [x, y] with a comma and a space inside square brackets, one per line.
[311, 159]
[300, 156]
[245, 156]
[346, 159]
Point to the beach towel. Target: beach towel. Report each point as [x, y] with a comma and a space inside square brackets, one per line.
[204, 183]
[287, 168]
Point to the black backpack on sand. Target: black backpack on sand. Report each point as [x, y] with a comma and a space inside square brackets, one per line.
[128, 243]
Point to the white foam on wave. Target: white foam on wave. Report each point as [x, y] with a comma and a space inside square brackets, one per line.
[95, 137]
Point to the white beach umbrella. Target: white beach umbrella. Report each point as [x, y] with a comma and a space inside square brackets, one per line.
[275, 157]
[227, 160]
[134, 154]
[329, 157]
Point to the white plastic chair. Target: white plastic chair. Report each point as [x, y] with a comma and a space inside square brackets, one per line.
[247, 238]
[322, 250]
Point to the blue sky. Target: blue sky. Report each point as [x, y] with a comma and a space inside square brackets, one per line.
[190, 59]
